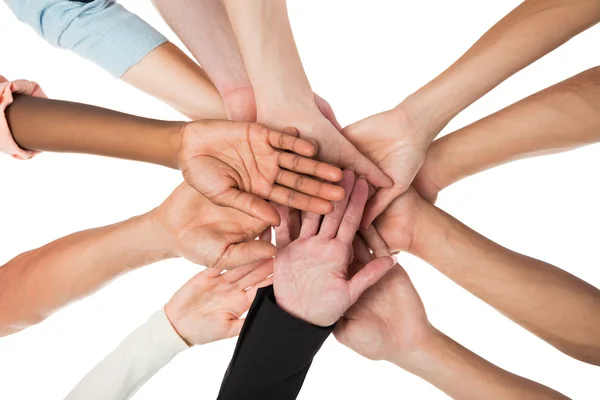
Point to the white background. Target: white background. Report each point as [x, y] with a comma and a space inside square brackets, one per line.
[363, 57]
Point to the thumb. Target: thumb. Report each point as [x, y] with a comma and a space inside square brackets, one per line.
[235, 328]
[363, 166]
[245, 253]
[368, 276]
[377, 204]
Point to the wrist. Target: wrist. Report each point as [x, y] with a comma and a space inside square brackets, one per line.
[158, 239]
[175, 136]
[426, 357]
[299, 313]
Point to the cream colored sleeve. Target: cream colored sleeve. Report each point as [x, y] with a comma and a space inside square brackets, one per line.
[142, 354]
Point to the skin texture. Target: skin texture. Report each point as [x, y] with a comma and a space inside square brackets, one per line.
[283, 94]
[247, 163]
[389, 323]
[245, 160]
[210, 305]
[560, 118]
[39, 282]
[518, 286]
[204, 28]
[397, 140]
[187, 89]
[310, 276]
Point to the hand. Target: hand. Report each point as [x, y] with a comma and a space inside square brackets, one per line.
[397, 223]
[218, 237]
[389, 321]
[310, 275]
[333, 147]
[390, 140]
[209, 306]
[232, 163]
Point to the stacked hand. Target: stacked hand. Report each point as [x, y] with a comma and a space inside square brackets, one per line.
[210, 305]
[390, 140]
[239, 165]
[310, 276]
[219, 237]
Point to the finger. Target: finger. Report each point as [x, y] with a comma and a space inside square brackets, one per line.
[331, 222]
[258, 274]
[363, 166]
[354, 211]
[249, 204]
[292, 143]
[24, 87]
[301, 201]
[251, 293]
[327, 111]
[245, 253]
[377, 204]
[235, 328]
[282, 232]
[308, 166]
[374, 240]
[234, 275]
[211, 272]
[304, 184]
[310, 225]
[368, 276]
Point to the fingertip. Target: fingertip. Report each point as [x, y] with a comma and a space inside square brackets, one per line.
[335, 175]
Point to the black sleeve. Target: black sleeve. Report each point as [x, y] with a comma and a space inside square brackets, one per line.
[273, 353]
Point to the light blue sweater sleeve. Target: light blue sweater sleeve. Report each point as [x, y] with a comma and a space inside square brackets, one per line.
[101, 31]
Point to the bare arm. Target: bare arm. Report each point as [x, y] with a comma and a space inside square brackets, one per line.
[553, 304]
[204, 28]
[172, 77]
[560, 118]
[530, 31]
[37, 283]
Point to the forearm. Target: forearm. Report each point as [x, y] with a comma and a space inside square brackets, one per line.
[37, 283]
[187, 88]
[264, 34]
[128, 367]
[553, 304]
[60, 126]
[530, 31]
[562, 117]
[205, 30]
[463, 375]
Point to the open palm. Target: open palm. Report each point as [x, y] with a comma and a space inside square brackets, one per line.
[311, 273]
[239, 165]
[390, 141]
[210, 235]
[210, 305]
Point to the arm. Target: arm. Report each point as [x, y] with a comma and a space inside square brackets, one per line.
[186, 224]
[283, 94]
[392, 316]
[520, 287]
[124, 45]
[206, 309]
[248, 162]
[205, 30]
[288, 323]
[36, 283]
[397, 140]
[560, 118]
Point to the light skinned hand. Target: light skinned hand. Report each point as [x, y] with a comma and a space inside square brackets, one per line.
[389, 320]
[310, 275]
[238, 165]
[218, 237]
[210, 305]
[390, 140]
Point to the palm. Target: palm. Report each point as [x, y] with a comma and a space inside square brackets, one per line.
[238, 165]
[389, 140]
[209, 306]
[388, 318]
[334, 148]
[319, 274]
[210, 235]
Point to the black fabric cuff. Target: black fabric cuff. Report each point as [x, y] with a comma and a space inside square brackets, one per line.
[273, 353]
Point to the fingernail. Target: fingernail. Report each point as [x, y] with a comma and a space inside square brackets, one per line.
[351, 169]
[395, 258]
[362, 177]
